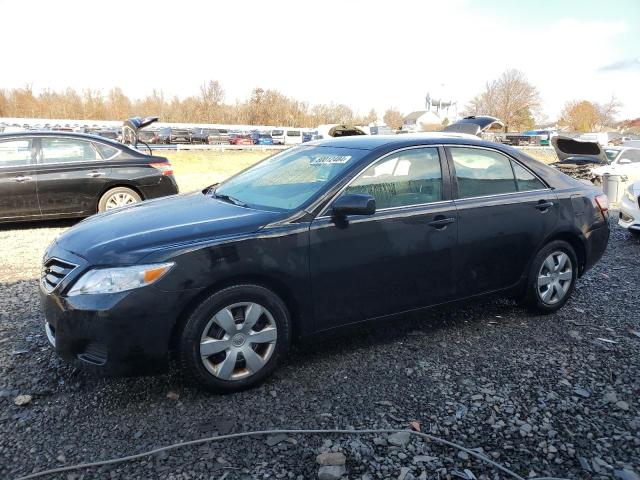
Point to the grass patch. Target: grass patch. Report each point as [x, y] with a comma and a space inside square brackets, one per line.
[197, 169]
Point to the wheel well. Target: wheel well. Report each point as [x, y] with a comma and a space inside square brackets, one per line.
[123, 185]
[573, 240]
[276, 286]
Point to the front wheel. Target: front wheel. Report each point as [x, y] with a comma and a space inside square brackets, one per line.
[552, 277]
[235, 338]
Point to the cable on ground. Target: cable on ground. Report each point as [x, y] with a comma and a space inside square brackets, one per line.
[257, 433]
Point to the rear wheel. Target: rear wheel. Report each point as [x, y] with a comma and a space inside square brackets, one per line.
[118, 197]
[235, 338]
[551, 278]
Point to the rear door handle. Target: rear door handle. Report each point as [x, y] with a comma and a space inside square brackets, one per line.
[542, 205]
[95, 174]
[22, 179]
[442, 222]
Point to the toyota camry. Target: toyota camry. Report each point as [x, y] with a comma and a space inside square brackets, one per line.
[321, 236]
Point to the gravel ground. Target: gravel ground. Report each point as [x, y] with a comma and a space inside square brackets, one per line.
[539, 395]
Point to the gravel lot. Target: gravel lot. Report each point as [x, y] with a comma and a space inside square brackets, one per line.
[539, 395]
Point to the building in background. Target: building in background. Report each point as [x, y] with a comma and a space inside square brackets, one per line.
[439, 112]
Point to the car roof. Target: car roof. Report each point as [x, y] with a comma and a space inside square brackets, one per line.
[56, 133]
[81, 136]
[372, 142]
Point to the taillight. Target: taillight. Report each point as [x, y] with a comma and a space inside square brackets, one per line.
[603, 204]
[164, 167]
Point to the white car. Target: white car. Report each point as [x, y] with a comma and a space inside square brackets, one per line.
[623, 161]
[630, 209]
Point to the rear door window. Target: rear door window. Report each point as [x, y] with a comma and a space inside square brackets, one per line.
[15, 153]
[67, 150]
[482, 172]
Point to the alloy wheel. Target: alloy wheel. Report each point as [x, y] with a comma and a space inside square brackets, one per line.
[238, 341]
[555, 277]
[119, 199]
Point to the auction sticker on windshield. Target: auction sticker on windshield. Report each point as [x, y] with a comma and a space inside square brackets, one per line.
[330, 159]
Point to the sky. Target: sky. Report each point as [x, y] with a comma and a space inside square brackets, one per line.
[365, 54]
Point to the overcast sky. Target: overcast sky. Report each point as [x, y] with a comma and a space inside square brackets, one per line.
[361, 53]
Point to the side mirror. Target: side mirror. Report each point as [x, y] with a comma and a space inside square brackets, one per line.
[624, 161]
[354, 204]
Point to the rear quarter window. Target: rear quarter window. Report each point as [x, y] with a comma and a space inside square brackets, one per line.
[525, 180]
[107, 152]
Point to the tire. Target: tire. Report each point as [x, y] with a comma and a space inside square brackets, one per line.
[537, 297]
[118, 197]
[228, 369]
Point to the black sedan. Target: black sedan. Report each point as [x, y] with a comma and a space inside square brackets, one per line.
[321, 236]
[45, 175]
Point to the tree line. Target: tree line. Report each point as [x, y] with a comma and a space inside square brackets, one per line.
[262, 107]
[510, 97]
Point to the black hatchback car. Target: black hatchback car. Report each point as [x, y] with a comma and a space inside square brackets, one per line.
[45, 175]
[320, 236]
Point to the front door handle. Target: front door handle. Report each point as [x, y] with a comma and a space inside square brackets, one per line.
[22, 179]
[543, 206]
[441, 222]
[95, 174]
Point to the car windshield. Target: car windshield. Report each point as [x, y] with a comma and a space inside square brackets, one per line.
[611, 154]
[277, 132]
[287, 180]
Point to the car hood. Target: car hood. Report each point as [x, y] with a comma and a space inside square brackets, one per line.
[570, 150]
[125, 235]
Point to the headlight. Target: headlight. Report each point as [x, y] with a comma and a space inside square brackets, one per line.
[630, 194]
[120, 279]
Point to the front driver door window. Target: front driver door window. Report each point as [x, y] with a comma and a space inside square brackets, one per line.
[394, 260]
[411, 177]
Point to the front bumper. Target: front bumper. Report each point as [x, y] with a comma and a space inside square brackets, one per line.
[117, 334]
[126, 333]
[629, 214]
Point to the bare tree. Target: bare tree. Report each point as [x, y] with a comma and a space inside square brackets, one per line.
[393, 118]
[607, 112]
[211, 97]
[371, 117]
[511, 98]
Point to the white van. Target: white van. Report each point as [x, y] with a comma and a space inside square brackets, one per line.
[598, 137]
[293, 136]
[278, 136]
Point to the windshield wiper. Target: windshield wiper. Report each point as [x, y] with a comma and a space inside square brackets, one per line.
[229, 198]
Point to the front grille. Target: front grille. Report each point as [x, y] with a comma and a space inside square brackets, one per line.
[53, 272]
